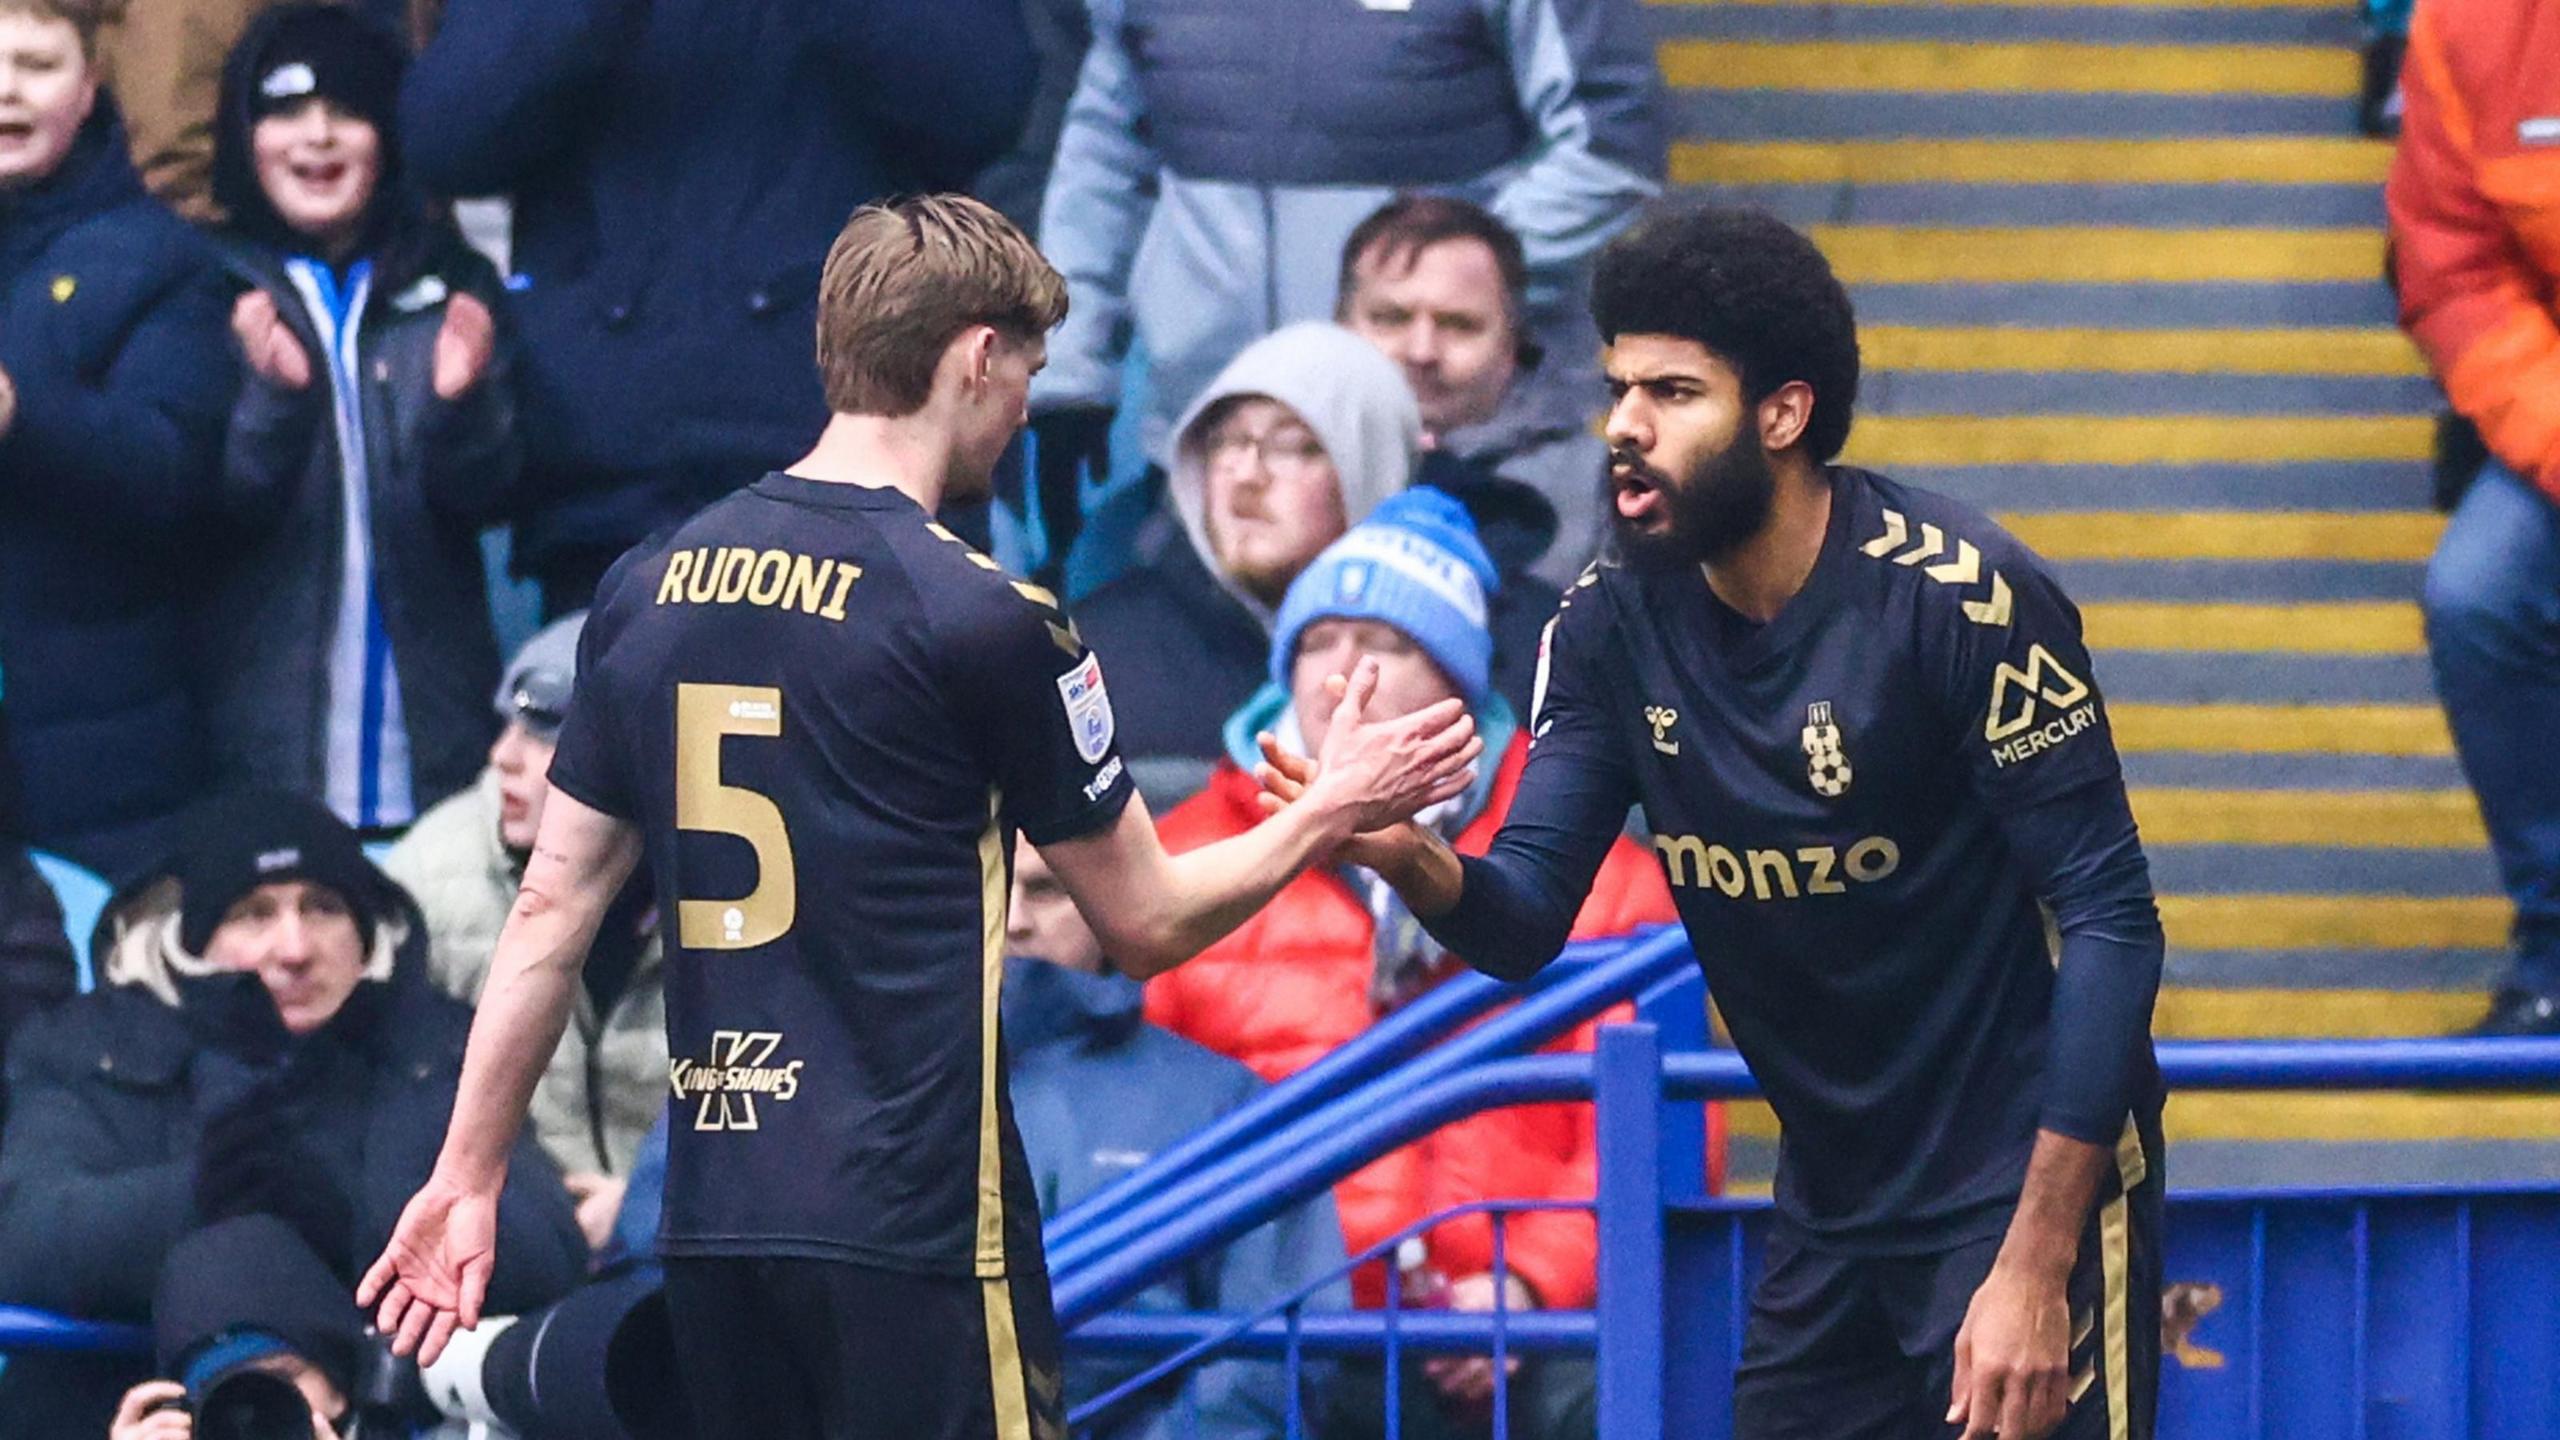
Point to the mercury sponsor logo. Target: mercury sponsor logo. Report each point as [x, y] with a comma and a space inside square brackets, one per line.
[725, 1088]
[1694, 863]
[2044, 737]
[2020, 697]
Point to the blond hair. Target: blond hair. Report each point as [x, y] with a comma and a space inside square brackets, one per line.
[905, 278]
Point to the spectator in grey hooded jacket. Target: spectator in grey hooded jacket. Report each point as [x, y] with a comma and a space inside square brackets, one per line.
[350, 650]
[1215, 156]
[1296, 442]
[1097, 1092]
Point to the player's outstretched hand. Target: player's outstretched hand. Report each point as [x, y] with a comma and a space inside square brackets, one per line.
[2013, 1358]
[435, 1272]
[1284, 775]
[1379, 772]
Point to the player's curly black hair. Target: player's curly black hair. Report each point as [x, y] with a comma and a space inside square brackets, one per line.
[1748, 287]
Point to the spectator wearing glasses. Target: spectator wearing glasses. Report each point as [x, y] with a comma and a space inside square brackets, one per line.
[350, 643]
[1299, 438]
[464, 860]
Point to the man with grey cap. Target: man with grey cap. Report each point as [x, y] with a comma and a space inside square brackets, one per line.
[465, 859]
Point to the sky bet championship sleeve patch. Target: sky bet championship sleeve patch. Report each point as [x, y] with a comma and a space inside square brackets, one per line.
[1088, 708]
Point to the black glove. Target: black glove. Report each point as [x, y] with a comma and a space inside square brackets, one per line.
[251, 1161]
[1070, 449]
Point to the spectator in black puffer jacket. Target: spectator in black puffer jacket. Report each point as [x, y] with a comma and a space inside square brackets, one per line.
[115, 378]
[264, 1041]
[679, 168]
[349, 648]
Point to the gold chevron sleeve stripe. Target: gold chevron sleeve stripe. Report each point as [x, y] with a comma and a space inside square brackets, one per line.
[993, 896]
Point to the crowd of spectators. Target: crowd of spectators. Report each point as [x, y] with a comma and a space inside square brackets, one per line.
[263, 400]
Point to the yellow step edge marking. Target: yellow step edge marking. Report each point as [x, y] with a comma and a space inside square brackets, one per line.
[1888, 442]
[2390, 1115]
[2097, 254]
[2187, 1012]
[2312, 350]
[2344, 819]
[2039, 4]
[2404, 1116]
[2389, 536]
[2417, 730]
[2336, 922]
[2008, 67]
[2270, 160]
[2359, 627]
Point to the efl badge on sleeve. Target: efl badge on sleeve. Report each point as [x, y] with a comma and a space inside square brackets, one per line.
[1088, 708]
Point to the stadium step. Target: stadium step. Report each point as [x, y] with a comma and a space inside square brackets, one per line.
[2119, 268]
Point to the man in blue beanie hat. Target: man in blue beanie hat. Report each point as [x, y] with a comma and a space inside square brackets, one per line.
[1409, 587]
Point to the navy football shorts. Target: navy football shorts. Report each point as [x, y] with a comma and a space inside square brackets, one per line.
[790, 1349]
[1843, 1347]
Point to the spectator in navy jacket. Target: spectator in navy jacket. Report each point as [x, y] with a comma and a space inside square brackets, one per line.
[115, 379]
[679, 168]
[350, 650]
[264, 1041]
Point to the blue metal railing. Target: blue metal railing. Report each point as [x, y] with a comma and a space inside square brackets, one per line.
[1647, 1362]
[1589, 980]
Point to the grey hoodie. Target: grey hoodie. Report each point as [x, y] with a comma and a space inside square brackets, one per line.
[1347, 392]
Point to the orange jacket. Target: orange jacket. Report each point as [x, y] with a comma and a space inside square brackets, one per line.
[2475, 218]
[1293, 983]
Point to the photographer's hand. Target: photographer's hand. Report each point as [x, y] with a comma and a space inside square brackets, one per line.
[153, 1410]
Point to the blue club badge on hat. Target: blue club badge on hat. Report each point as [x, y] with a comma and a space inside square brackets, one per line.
[1415, 564]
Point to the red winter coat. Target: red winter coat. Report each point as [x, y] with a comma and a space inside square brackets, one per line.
[2475, 219]
[1293, 983]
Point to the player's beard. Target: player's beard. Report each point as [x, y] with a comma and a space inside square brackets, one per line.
[1707, 514]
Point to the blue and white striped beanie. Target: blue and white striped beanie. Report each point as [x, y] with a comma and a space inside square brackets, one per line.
[1416, 564]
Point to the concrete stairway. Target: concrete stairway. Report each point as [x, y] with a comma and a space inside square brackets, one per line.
[2118, 268]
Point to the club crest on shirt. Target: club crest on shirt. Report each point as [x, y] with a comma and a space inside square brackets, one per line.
[1088, 708]
[1826, 764]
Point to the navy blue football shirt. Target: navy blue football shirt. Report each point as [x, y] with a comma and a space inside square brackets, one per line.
[828, 715]
[1835, 797]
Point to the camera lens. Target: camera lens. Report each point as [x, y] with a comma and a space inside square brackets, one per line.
[253, 1405]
